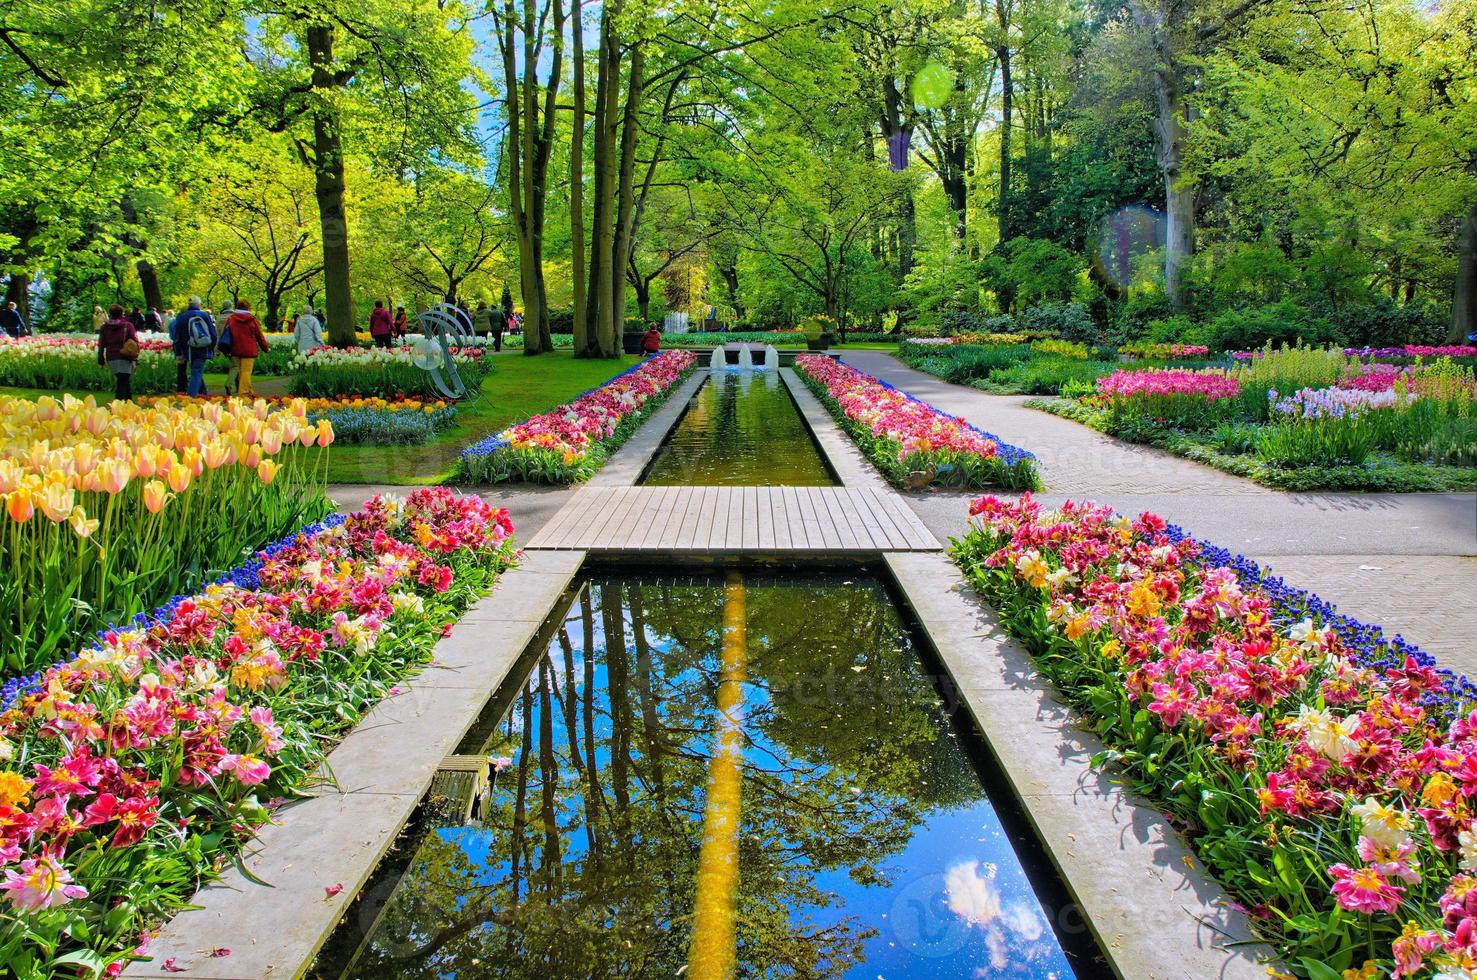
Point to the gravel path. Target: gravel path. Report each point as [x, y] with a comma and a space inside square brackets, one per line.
[1407, 562]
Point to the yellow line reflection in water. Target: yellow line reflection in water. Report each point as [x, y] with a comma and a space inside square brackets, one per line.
[714, 944]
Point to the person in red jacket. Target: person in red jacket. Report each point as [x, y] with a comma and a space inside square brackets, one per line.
[651, 344]
[247, 343]
[117, 347]
[381, 325]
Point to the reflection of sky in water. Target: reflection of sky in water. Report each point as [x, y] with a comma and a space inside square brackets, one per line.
[904, 857]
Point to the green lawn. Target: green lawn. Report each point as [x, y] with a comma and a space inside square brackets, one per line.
[518, 388]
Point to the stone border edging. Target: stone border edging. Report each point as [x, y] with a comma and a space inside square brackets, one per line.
[1156, 913]
[335, 839]
[625, 466]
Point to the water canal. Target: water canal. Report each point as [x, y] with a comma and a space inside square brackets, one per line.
[742, 428]
[750, 772]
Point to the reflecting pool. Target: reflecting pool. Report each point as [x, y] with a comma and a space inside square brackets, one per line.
[741, 429]
[740, 774]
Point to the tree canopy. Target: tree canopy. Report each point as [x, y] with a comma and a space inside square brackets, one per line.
[880, 164]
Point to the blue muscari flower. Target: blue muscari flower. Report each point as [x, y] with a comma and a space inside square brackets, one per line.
[243, 576]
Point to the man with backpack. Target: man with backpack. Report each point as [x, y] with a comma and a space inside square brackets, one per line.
[194, 335]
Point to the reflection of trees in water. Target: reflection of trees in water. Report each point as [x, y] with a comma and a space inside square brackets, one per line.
[587, 863]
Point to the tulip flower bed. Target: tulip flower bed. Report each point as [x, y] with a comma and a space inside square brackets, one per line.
[573, 441]
[110, 510]
[70, 364]
[330, 372]
[1301, 419]
[1323, 771]
[396, 421]
[908, 439]
[139, 768]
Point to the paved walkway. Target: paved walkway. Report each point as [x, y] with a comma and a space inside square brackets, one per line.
[1407, 562]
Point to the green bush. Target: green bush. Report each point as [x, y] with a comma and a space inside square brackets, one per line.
[963, 363]
[1069, 321]
[1047, 376]
[1284, 323]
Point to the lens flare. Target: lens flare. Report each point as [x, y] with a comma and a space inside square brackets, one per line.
[1124, 237]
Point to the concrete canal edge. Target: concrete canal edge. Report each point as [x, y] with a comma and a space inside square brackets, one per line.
[381, 771]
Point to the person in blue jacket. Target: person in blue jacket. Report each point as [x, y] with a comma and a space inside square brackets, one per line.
[195, 337]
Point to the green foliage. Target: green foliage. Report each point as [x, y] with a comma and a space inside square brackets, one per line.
[1024, 272]
[1069, 321]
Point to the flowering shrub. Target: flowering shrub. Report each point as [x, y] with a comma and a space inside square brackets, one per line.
[905, 436]
[109, 510]
[1168, 352]
[138, 768]
[571, 442]
[332, 372]
[1062, 348]
[1333, 403]
[1322, 770]
[1206, 385]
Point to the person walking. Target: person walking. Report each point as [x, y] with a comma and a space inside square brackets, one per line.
[381, 325]
[402, 322]
[308, 331]
[153, 322]
[195, 337]
[12, 322]
[482, 320]
[248, 342]
[117, 349]
[99, 317]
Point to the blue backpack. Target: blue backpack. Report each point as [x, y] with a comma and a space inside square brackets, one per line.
[199, 332]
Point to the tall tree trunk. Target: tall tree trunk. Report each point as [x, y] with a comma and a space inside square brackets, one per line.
[731, 280]
[607, 336]
[1179, 193]
[148, 280]
[642, 286]
[18, 291]
[582, 344]
[1464, 297]
[626, 199]
[1007, 102]
[328, 188]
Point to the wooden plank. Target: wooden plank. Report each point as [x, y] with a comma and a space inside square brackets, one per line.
[686, 502]
[794, 520]
[659, 506]
[731, 533]
[766, 518]
[779, 504]
[846, 537]
[830, 539]
[916, 533]
[720, 524]
[863, 520]
[593, 503]
[657, 532]
[602, 532]
[697, 521]
[632, 534]
[749, 539]
[551, 531]
[883, 514]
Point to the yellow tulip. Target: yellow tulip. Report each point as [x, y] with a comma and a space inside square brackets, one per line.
[179, 477]
[113, 475]
[216, 454]
[252, 456]
[155, 496]
[267, 470]
[191, 458]
[10, 476]
[325, 433]
[271, 441]
[56, 500]
[82, 524]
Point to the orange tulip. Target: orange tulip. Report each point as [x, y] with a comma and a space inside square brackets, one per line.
[19, 506]
[325, 433]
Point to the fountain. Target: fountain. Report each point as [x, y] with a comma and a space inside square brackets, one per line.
[745, 352]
